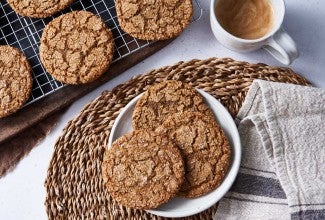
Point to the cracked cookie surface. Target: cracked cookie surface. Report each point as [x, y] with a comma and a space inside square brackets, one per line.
[77, 47]
[164, 99]
[15, 80]
[205, 150]
[38, 8]
[143, 169]
[154, 19]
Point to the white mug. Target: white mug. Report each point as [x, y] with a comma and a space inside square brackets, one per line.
[277, 42]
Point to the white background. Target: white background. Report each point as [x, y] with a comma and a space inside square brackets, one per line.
[22, 192]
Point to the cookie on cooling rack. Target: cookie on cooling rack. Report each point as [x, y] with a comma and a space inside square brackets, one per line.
[164, 99]
[154, 20]
[143, 169]
[38, 8]
[205, 150]
[77, 47]
[15, 80]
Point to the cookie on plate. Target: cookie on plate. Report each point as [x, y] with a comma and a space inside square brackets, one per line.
[76, 48]
[15, 80]
[154, 20]
[143, 169]
[164, 99]
[205, 150]
[38, 8]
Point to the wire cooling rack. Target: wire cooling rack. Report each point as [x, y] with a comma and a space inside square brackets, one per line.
[24, 33]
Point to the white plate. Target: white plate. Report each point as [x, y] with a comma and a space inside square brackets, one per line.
[181, 207]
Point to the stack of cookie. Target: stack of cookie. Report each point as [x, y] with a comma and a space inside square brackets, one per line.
[176, 148]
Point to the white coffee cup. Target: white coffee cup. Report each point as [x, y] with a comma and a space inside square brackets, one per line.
[277, 42]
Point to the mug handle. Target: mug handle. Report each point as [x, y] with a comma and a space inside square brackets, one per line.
[282, 47]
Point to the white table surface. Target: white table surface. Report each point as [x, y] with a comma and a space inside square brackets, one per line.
[22, 192]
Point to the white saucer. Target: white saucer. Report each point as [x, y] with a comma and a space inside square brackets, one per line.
[181, 207]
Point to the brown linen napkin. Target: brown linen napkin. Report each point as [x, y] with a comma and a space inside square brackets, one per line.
[282, 174]
[14, 149]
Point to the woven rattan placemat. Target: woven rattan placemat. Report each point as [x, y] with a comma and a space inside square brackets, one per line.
[74, 184]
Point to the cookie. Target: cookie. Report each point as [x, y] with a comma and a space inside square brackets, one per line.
[143, 169]
[38, 8]
[76, 48]
[164, 99]
[205, 150]
[15, 80]
[154, 20]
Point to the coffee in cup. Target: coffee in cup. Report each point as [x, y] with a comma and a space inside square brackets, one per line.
[246, 19]
[248, 25]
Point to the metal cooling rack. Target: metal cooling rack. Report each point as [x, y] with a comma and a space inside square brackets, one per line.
[24, 33]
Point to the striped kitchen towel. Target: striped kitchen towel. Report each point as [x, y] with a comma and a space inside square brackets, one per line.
[282, 173]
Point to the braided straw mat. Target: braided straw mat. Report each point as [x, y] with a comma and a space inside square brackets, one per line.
[74, 185]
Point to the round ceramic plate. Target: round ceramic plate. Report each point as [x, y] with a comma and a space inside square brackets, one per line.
[181, 207]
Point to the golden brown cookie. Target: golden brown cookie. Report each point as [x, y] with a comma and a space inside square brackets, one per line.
[164, 99]
[205, 150]
[77, 47]
[38, 8]
[154, 20]
[15, 80]
[143, 169]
